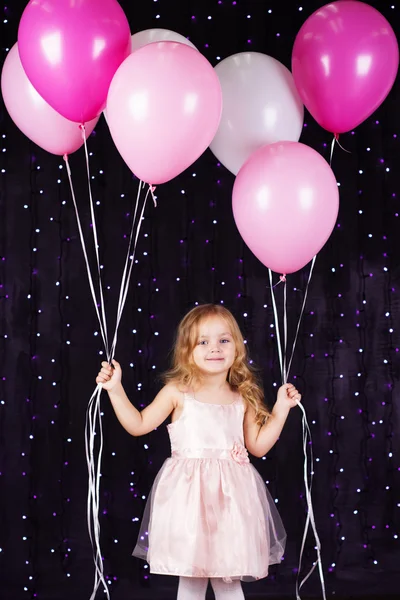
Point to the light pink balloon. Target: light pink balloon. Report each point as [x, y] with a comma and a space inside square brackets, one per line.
[285, 205]
[70, 50]
[345, 60]
[33, 116]
[149, 36]
[163, 109]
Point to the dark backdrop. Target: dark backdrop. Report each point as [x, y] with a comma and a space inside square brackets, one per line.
[346, 364]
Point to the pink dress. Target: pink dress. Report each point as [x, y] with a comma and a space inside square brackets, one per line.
[209, 513]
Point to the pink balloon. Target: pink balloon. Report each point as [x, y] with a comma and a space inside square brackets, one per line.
[33, 116]
[344, 63]
[163, 109]
[285, 204]
[71, 50]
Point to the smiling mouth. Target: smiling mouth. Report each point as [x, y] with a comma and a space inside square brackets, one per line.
[214, 359]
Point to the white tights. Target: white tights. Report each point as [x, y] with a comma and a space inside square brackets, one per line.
[195, 588]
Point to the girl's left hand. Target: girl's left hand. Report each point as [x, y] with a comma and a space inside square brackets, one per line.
[288, 396]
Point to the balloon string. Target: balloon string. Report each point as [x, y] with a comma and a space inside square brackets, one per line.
[307, 440]
[332, 149]
[278, 338]
[126, 276]
[336, 140]
[89, 274]
[282, 279]
[96, 243]
[302, 310]
[93, 414]
[340, 145]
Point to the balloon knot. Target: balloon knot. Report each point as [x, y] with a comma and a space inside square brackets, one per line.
[283, 278]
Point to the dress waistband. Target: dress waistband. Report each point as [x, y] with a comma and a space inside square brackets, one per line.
[202, 453]
[238, 453]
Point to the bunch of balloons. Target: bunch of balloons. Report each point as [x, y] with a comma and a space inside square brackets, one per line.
[285, 197]
[73, 59]
[165, 104]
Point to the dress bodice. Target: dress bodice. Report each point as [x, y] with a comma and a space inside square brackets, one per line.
[204, 427]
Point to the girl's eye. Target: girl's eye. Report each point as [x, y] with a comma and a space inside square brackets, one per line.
[202, 342]
[225, 341]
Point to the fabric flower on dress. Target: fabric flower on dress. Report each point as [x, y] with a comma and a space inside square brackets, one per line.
[240, 454]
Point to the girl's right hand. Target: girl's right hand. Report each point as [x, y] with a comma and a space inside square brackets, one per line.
[108, 376]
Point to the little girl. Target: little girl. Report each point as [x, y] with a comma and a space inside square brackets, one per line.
[209, 515]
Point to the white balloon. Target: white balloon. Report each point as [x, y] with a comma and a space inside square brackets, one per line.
[261, 106]
[148, 36]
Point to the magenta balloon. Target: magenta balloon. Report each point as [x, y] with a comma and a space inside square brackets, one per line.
[285, 204]
[345, 61]
[33, 115]
[163, 109]
[71, 50]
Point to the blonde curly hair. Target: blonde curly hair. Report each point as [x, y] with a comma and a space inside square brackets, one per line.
[241, 377]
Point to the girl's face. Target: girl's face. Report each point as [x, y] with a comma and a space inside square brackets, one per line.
[215, 348]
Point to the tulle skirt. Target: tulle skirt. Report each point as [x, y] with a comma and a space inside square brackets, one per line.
[208, 517]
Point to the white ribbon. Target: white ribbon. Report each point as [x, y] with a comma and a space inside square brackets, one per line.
[93, 413]
[306, 429]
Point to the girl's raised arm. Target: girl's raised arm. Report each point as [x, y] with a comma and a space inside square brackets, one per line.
[136, 423]
[259, 440]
